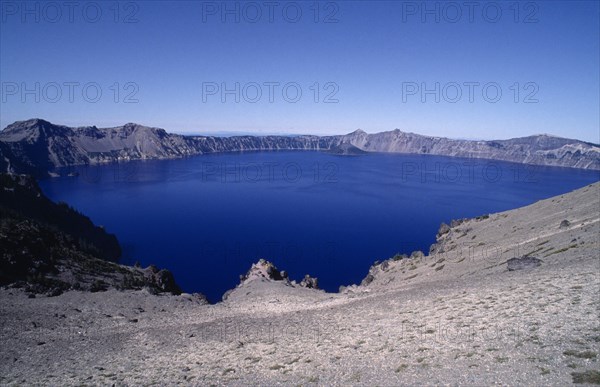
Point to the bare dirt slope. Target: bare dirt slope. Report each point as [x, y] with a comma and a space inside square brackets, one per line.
[457, 316]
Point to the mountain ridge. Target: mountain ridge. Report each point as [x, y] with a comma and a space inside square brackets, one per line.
[38, 146]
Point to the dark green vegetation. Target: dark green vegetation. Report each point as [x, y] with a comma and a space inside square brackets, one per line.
[48, 247]
[20, 197]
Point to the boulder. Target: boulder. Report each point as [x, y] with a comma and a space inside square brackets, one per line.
[367, 280]
[457, 222]
[163, 280]
[227, 294]
[309, 282]
[522, 263]
[444, 229]
[263, 269]
[385, 265]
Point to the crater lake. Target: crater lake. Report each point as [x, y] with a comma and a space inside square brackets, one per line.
[208, 218]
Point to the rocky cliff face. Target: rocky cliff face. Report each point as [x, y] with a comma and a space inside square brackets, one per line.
[538, 150]
[42, 146]
[37, 146]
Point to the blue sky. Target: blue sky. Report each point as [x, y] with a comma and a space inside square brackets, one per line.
[369, 60]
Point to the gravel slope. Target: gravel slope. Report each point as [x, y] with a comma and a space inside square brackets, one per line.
[456, 317]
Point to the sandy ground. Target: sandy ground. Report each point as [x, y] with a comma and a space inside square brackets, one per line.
[458, 317]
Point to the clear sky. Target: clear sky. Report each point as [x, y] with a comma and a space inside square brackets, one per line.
[374, 65]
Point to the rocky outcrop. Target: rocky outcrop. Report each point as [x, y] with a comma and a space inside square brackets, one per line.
[44, 260]
[161, 279]
[265, 271]
[37, 146]
[48, 248]
[444, 229]
[309, 282]
[346, 149]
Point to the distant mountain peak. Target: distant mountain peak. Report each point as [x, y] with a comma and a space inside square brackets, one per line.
[32, 129]
[131, 124]
[35, 121]
[358, 131]
[32, 122]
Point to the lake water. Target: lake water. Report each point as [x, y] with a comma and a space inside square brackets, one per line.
[208, 218]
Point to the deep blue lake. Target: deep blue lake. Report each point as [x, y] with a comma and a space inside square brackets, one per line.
[208, 218]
